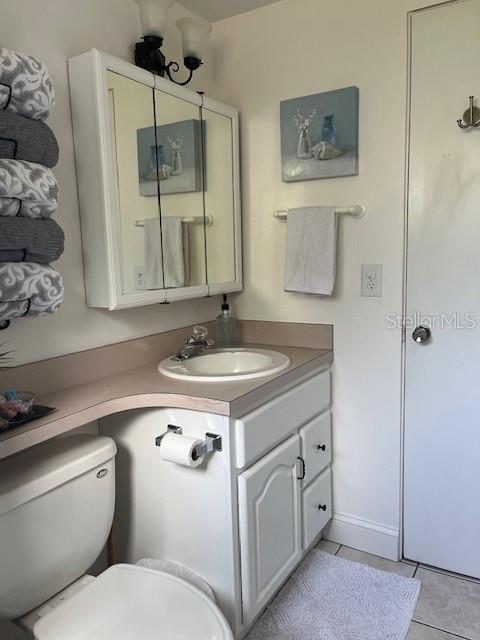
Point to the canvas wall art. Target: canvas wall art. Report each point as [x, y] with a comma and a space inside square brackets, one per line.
[179, 151]
[320, 135]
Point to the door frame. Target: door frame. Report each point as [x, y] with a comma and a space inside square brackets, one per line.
[403, 374]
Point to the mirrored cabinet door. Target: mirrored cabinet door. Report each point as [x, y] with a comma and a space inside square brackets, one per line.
[131, 112]
[221, 194]
[179, 151]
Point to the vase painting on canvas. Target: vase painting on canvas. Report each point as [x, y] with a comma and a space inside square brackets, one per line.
[177, 149]
[320, 135]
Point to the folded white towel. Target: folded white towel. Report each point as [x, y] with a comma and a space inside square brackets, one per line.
[175, 247]
[310, 259]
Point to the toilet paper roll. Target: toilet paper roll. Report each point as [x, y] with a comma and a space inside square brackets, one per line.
[179, 449]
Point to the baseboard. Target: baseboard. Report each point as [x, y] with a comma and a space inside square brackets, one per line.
[364, 535]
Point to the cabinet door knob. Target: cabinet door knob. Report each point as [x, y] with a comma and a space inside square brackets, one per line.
[321, 447]
[323, 507]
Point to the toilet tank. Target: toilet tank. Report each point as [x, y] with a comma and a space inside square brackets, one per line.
[56, 510]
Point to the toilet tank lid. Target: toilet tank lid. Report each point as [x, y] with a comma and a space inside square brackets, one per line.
[36, 471]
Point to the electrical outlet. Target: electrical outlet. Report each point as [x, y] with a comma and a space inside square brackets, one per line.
[372, 280]
[139, 275]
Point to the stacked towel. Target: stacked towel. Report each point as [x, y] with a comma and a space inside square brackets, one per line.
[27, 189]
[28, 289]
[24, 240]
[24, 139]
[25, 86]
[29, 240]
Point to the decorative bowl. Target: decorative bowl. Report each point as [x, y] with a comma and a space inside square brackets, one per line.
[16, 403]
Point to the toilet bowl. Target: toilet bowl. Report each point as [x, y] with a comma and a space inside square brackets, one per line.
[128, 602]
[56, 510]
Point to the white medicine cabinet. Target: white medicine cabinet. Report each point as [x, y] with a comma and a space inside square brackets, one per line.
[158, 176]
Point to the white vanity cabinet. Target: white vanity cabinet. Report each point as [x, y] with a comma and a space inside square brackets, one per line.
[244, 518]
[285, 497]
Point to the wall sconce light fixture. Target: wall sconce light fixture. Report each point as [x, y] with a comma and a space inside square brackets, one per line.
[148, 54]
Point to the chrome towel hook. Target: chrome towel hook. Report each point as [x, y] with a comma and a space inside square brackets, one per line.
[471, 117]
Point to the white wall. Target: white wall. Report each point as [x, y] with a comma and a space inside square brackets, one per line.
[54, 30]
[300, 47]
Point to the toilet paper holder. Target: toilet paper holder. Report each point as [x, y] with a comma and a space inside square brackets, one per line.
[211, 442]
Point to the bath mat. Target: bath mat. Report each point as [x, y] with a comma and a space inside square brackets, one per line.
[329, 598]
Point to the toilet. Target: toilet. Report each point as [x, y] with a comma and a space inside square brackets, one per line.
[56, 510]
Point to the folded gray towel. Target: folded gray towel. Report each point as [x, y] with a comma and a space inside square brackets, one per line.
[28, 289]
[27, 189]
[24, 240]
[25, 86]
[24, 139]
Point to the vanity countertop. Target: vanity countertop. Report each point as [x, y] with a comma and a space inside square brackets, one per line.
[144, 386]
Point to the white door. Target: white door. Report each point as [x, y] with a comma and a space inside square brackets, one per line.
[269, 521]
[442, 410]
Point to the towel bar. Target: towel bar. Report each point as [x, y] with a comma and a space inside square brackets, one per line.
[356, 210]
[200, 220]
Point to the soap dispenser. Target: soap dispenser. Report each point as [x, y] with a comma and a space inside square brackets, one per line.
[226, 326]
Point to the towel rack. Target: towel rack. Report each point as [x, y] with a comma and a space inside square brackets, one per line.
[208, 220]
[357, 210]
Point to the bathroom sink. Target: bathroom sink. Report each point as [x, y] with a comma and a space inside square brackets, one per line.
[223, 365]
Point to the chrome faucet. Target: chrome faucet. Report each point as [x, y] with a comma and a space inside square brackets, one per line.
[195, 345]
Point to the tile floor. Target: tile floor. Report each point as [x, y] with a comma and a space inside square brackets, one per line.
[448, 607]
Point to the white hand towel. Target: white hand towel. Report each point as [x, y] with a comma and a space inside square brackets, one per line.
[310, 258]
[173, 239]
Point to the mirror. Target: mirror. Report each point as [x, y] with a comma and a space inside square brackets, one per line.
[131, 111]
[181, 183]
[219, 197]
[158, 177]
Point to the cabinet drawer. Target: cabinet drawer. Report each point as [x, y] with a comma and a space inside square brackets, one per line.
[315, 497]
[316, 445]
[261, 429]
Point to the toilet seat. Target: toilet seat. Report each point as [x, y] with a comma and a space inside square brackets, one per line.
[128, 602]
